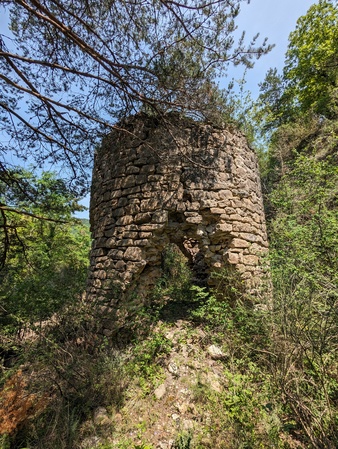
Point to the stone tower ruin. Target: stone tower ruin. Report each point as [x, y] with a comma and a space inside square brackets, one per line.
[174, 182]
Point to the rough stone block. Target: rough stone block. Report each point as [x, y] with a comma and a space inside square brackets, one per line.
[143, 218]
[100, 243]
[160, 216]
[133, 253]
[141, 242]
[127, 219]
[232, 258]
[147, 169]
[110, 243]
[131, 191]
[145, 235]
[131, 170]
[115, 254]
[120, 265]
[154, 178]
[150, 227]
[250, 260]
[117, 212]
[249, 237]
[122, 201]
[128, 181]
[239, 243]
[208, 203]
[124, 242]
[223, 227]
[217, 210]
[236, 217]
[150, 204]
[194, 220]
[116, 193]
[132, 209]
[140, 179]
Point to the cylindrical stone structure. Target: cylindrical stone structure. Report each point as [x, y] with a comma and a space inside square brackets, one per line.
[177, 181]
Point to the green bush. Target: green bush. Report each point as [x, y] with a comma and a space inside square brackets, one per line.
[304, 264]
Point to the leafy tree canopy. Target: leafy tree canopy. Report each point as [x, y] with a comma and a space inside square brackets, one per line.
[312, 59]
[23, 197]
[308, 85]
[79, 66]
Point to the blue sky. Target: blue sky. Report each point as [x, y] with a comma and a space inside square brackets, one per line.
[274, 19]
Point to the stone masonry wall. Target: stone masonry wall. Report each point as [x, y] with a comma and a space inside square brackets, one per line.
[190, 184]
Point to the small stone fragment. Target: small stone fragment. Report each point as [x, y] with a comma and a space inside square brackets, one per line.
[101, 417]
[160, 391]
[216, 353]
[90, 443]
[173, 368]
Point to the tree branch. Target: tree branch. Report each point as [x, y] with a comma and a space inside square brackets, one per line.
[3, 208]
